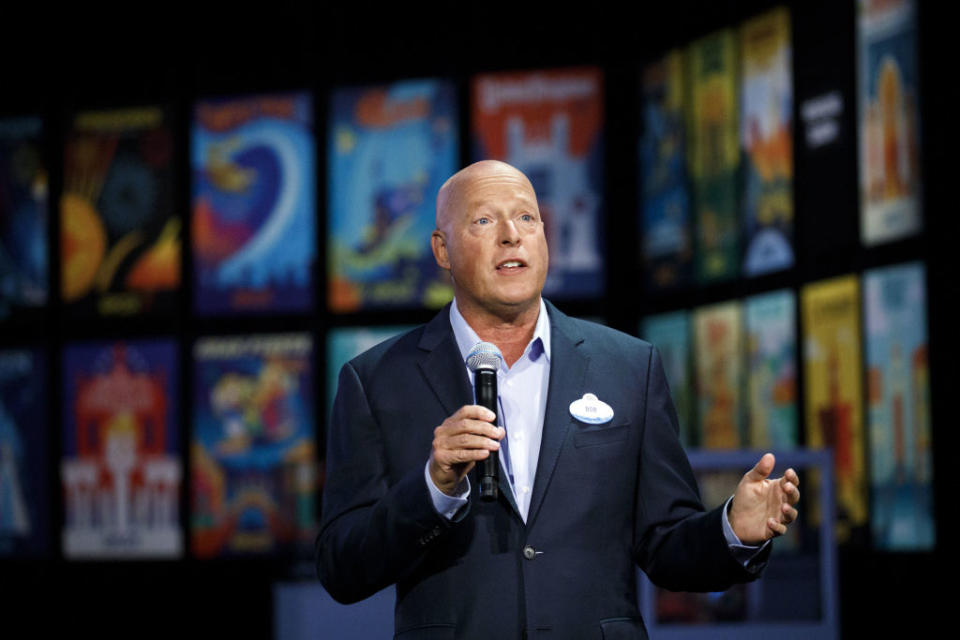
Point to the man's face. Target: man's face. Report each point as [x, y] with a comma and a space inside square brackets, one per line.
[491, 239]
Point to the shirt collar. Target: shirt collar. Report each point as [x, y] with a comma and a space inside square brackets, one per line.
[467, 338]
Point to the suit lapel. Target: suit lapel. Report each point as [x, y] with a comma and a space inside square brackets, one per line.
[568, 368]
[444, 370]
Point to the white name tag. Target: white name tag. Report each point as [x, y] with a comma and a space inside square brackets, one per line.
[591, 410]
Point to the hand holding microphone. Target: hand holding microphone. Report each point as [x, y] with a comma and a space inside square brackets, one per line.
[470, 436]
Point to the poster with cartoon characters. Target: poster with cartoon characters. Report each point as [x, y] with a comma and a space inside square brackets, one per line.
[252, 450]
[390, 149]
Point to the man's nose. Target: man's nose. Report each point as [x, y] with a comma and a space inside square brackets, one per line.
[509, 234]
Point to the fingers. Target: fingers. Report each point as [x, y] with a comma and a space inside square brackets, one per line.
[789, 514]
[789, 486]
[777, 528]
[466, 436]
[762, 469]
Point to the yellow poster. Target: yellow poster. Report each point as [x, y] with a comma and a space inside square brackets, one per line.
[833, 371]
[718, 337]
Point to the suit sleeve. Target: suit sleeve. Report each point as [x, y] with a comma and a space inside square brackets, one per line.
[372, 534]
[677, 544]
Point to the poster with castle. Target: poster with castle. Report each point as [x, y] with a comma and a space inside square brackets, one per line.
[120, 469]
[549, 124]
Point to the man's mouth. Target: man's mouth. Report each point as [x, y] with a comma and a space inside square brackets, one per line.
[510, 264]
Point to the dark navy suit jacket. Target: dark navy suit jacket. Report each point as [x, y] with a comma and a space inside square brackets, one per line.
[606, 497]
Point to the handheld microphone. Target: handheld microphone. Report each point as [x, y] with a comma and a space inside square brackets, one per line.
[484, 360]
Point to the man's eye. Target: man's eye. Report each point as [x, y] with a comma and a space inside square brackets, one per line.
[483, 221]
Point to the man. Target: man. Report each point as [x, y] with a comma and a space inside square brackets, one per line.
[580, 502]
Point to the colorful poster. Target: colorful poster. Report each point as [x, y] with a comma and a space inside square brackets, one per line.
[24, 526]
[718, 344]
[391, 149]
[832, 385]
[23, 216]
[120, 230]
[252, 455]
[666, 232]
[121, 469]
[670, 334]
[898, 392]
[766, 137]
[771, 371]
[253, 167]
[549, 124]
[714, 155]
[889, 116]
[346, 343]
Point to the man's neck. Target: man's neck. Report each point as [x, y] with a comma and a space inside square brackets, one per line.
[511, 333]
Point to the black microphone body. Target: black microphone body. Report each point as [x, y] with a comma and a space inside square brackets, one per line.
[485, 389]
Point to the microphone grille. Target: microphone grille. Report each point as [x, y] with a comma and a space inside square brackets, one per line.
[484, 356]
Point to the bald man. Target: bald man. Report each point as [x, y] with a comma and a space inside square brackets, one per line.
[593, 478]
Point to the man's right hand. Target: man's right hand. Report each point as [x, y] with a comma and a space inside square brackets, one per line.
[462, 439]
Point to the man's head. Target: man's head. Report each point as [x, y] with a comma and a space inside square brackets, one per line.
[490, 237]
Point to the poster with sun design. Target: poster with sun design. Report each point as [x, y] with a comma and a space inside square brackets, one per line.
[119, 227]
[121, 470]
[252, 454]
[391, 148]
[253, 165]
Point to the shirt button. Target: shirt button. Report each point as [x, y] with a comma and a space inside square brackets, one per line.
[529, 552]
[509, 383]
[525, 490]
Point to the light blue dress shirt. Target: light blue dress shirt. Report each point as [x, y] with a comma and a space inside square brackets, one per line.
[522, 391]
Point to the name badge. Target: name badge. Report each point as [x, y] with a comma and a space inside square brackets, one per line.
[591, 410]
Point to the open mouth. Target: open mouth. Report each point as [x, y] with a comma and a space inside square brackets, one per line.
[510, 265]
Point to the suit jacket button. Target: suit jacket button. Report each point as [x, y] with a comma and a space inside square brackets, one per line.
[529, 552]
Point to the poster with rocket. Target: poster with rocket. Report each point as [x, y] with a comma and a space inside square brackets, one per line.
[391, 148]
[24, 455]
[714, 155]
[549, 124]
[766, 140]
[665, 221]
[771, 341]
[121, 470]
[119, 227]
[252, 452]
[670, 334]
[718, 349]
[253, 167]
[889, 120]
[23, 216]
[898, 408]
[832, 365]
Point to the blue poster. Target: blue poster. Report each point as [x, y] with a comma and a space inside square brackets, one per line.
[771, 333]
[254, 205]
[23, 216]
[670, 334]
[24, 526]
[390, 150]
[253, 460]
[344, 344]
[898, 408]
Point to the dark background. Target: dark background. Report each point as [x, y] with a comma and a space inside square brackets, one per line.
[56, 61]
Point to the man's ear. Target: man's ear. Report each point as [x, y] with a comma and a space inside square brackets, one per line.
[439, 245]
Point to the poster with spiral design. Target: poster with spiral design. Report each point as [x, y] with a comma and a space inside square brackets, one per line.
[119, 227]
[253, 205]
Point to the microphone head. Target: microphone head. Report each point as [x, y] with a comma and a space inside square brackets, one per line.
[484, 356]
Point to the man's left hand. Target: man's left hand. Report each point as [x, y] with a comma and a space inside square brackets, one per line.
[763, 507]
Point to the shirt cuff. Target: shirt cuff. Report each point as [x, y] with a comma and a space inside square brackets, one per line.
[742, 553]
[447, 506]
